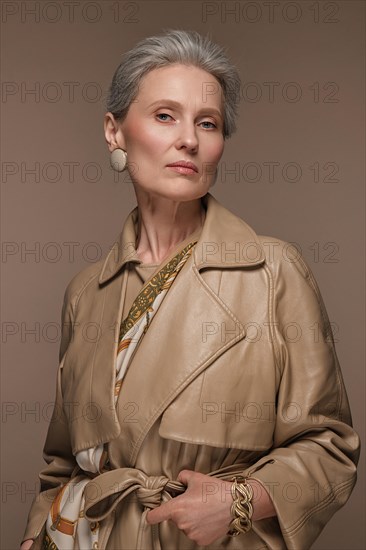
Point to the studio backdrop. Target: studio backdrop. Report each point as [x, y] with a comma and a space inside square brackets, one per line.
[293, 170]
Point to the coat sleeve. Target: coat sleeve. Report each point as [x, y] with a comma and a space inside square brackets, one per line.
[57, 449]
[311, 468]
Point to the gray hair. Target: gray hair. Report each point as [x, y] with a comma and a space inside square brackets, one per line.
[174, 46]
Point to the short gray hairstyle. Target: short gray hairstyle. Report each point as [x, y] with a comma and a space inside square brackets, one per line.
[174, 46]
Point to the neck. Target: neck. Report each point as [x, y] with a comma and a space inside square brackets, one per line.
[163, 223]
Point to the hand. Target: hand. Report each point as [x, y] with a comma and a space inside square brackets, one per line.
[202, 512]
[27, 544]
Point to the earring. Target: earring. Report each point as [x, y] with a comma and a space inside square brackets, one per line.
[118, 160]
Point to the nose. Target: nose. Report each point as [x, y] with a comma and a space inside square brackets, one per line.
[187, 137]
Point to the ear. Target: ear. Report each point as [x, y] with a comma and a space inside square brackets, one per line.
[113, 133]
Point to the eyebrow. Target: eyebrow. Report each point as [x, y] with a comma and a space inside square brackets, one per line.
[177, 105]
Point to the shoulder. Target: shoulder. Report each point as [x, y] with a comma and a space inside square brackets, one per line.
[290, 273]
[285, 258]
[81, 281]
[282, 255]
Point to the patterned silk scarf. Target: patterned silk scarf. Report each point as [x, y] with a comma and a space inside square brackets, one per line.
[66, 526]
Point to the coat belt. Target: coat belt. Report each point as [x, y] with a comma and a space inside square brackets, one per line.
[105, 491]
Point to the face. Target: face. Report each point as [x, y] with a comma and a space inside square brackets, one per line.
[177, 117]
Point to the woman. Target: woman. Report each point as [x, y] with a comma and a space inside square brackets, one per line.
[213, 423]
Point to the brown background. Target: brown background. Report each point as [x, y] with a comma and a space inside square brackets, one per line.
[71, 209]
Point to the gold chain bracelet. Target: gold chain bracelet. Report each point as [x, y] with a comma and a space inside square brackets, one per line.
[241, 508]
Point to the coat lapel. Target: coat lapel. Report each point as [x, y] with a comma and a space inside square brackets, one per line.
[88, 370]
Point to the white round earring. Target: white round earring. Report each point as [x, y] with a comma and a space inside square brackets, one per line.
[118, 160]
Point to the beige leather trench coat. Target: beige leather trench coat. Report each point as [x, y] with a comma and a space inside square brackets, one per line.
[237, 374]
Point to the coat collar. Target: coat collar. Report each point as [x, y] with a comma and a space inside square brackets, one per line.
[225, 241]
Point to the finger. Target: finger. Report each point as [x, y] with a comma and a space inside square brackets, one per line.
[159, 514]
[185, 476]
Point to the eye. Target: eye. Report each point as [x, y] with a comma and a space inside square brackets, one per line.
[213, 125]
[163, 115]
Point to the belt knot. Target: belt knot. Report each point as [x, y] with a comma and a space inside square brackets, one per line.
[150, 490]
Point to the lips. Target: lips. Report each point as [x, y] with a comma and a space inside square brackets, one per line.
[184, 164]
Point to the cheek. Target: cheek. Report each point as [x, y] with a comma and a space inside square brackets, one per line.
[145, 141]
[214, 150]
